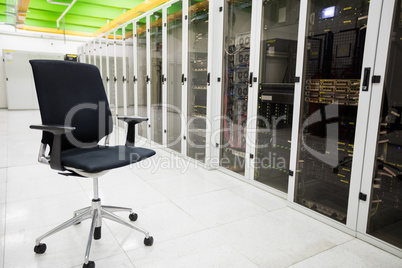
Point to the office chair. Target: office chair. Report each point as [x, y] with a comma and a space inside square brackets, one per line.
[75, 117]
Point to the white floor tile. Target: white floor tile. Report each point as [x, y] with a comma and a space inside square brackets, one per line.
[257, 240]
[221, 179]
[178, 188]
[23, 149]
[354, 253]
[215, 176]
[3, 160]
[117, 261]
[122, 188]
[307, 224]
[3, 192]
[3, 175]
[272, 241]
[32, 188]
[202, 249]
[219, 207]
[2, 244]
[64, 249]
[45, 211]
[30, 172]
[159, 167]
[163, 221]
[2, 219]
[259, 197]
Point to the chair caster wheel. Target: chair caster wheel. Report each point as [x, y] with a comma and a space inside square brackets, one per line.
[40, 249]
[133, 216]
[90, 264]
[149, 241]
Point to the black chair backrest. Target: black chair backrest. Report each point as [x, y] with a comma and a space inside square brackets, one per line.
[72, 94]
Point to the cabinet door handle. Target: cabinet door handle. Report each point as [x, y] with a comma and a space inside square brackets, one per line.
[366, 78]
[163, 79]
[209, 79]
[251, 79]
[182, 79]
[134, 79]
[148, 79]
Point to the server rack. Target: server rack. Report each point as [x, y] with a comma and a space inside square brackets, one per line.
[332, 65]
[235, 87]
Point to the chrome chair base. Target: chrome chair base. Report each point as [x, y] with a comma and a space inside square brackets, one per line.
[96, 212]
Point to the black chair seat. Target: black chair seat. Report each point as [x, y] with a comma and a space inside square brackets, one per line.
[102, 158]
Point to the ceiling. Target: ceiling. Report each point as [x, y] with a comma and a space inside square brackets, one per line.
[85, 16]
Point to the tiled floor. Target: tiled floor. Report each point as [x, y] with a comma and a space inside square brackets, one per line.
[198, 218]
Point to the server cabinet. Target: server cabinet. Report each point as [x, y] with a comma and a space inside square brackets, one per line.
[174, 70]
[129, 72]
[197, 78]
[380, 214]
[119, 77]
[141, 79]
[333, 89]
[104, 64]
[90, 53]
[236, 74]
[156, 75]
[81, 57]
[111, 76]
[95, 53]
[277, 66]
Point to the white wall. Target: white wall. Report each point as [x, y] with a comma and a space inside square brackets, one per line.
[41, 43]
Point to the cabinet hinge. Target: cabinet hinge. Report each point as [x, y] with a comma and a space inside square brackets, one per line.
[297, 79]
[291, 173]
[220, 9]
[362, 196]
[251, 156]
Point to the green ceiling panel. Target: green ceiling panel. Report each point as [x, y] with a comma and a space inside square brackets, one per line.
[84, 16]
[69, 27]
[51, 18]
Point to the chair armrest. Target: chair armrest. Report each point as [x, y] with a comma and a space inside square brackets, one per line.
[54, 129]
[55, 153]
[134, 118]
[131, 121]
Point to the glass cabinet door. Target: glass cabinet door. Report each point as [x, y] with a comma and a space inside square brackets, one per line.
[384, 213]
[174, 72]
[334, 48]
[156, 76]
[279, 33]
[235, 87]
[142, 77]
[197, 78]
